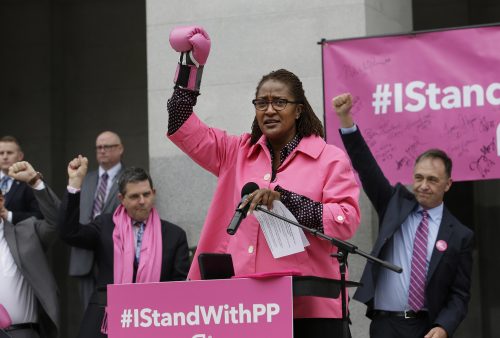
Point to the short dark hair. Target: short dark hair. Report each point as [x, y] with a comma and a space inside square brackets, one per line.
[132, 175]
[308, 123]
[439, 154]
[11, 139]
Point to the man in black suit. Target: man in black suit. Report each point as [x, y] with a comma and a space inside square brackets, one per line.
[430, 297]
[99, 195]
[108, 233]
[20, 202]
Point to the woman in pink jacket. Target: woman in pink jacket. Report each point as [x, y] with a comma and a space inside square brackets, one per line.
[285, 154]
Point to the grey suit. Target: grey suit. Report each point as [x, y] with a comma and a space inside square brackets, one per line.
[81, 260]
[28, 240]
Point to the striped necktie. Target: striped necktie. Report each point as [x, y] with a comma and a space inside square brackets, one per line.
[140, 233]
[416, 293]
[101, 195]
[4, 184]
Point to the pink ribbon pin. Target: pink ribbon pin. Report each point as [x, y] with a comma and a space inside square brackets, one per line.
[441, 245]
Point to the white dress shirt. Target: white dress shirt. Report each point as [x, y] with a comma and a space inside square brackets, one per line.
[9, 185]
[16, 295]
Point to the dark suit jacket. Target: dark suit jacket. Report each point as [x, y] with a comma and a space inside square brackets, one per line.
[28, 241]
[98, 236]
[448, 278]
[81, 260]
[21, 201]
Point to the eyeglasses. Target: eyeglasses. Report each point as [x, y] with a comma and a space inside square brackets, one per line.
[106, 147]
[277, 104]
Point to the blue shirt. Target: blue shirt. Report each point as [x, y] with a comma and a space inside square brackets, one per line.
[391, 291]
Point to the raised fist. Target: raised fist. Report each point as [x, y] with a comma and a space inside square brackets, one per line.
[22, 171]
[342, 105]
[77, 169]
[192, 39]
[193, 43]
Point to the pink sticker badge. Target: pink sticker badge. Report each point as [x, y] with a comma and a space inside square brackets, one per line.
[441, 245]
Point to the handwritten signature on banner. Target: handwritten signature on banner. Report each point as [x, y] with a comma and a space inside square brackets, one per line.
[463, 130]
[366, 67]
[484, 163]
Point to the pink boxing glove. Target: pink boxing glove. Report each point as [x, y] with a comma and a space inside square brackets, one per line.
[194, 43]
[191, 38]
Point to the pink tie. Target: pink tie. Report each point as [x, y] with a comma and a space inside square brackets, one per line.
[418, 275]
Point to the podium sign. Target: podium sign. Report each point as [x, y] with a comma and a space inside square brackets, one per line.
[202, 309]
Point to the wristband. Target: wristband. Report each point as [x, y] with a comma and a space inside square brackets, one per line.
[188, 75]
[37, 177]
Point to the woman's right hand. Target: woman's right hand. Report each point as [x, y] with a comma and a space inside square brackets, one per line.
[261, 196]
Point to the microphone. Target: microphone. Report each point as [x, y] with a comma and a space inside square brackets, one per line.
[240, 214]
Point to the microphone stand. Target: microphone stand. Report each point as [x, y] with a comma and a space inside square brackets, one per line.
[343, 250]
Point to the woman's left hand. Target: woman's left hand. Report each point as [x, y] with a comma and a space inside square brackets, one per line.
[261, 196]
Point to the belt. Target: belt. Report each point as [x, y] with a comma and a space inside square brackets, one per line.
[402, 314]
[22, 326]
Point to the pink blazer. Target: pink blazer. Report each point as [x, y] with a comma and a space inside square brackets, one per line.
[314, 169]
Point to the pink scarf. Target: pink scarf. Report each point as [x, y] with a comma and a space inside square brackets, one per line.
[149, 269]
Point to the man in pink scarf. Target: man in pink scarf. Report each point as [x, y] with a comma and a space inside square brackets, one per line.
[132, 245]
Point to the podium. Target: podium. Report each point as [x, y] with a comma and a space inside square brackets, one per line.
[238, 307]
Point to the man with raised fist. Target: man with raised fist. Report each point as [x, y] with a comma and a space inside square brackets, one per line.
[28, 290]
[131, 245]
[99, 195]
[416, 232]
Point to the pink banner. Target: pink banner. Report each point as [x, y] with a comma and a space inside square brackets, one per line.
[202, 309]
[419, 91]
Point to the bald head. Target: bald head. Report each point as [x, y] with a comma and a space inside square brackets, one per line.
[109, 149]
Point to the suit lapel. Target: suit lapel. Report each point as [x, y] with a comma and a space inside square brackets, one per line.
[92, 187]
[10, 237]
[112, 192]
[393, 220]
[407, 206]
[445, 232]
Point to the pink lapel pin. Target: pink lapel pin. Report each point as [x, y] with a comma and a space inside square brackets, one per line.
[441, 245]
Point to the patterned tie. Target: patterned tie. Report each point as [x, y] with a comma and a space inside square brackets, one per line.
[418, 275]
[139, 240]
[100, 196]
[4, 184]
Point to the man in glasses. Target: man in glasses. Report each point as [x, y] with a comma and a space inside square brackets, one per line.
[98, 196]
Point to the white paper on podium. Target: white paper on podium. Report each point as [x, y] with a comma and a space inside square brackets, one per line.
[282, 238]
